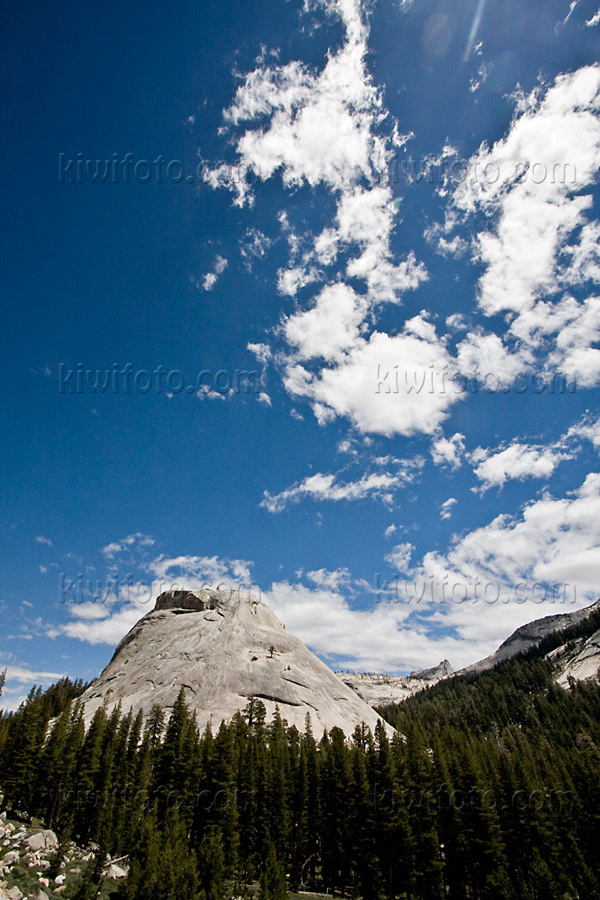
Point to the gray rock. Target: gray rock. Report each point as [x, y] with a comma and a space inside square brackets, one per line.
[580, 662]
[42, 840]
[116, 872]
[39, 894]
[10, 858]
[224, 647]
[14, 893]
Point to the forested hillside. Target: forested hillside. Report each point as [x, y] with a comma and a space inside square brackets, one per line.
[489, 789]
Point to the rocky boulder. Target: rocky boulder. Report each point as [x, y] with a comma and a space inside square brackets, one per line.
[42, 840]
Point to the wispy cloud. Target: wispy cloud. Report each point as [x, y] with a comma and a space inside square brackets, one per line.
[595, 20]
[447, 507]
[137, 540]
[380, 485]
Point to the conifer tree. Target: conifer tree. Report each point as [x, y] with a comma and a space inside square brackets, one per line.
[145, 862]
[211, 861]
[273, 884]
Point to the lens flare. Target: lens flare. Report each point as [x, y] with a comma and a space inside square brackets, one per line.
[474, 29]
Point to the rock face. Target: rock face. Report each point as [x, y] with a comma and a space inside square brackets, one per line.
[381, 690]
[223, 647]
[580, 661]
[531, 634]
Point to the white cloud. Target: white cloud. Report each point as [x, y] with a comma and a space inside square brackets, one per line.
[27, 676]
[574, 4]
[107, 630]
[330, 327]
[211, 278]
[448, 451]
[482, 356]
[446, 507]
[209, 281]
[325, 128]
[531, 185]
[515, 569]
[595, 20]
[399, 557]
[516, 462]
[574, 353]
[43, 540]
[262, 352]
[19, 676]
[389, 531]
[255, 245]
[365, 640]
[588, 429]
[201, 569]
[208, 393]
[385, 385]
[336, 579]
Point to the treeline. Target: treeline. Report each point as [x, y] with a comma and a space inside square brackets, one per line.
[490, 788]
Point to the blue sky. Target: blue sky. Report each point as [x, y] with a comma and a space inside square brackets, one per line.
[387, 214]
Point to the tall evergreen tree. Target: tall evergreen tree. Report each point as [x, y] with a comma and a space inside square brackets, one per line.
[273, 884]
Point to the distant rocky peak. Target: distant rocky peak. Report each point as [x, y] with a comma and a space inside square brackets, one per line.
[442, 670]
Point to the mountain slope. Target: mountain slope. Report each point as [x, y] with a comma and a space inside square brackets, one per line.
[223, 648]
[532, 634]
